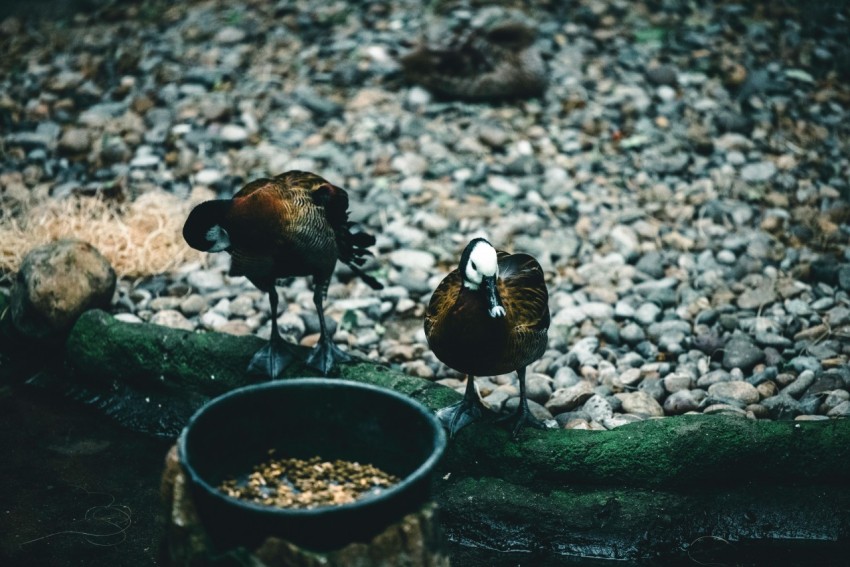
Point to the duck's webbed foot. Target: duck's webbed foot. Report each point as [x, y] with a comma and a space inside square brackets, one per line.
[271, 360]
[326, 355]
[469, 410]
[521, 417]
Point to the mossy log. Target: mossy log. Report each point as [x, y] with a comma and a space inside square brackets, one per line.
[651, 489]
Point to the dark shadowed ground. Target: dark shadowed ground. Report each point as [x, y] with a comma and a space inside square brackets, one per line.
[67, 471]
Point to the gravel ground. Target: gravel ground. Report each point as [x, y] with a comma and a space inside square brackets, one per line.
[683, 181]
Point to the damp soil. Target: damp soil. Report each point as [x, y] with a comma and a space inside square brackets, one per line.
[75, 487]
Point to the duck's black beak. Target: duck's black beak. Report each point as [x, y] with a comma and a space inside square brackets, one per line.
[494, 302]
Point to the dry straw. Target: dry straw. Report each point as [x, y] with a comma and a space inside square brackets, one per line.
[139, 238]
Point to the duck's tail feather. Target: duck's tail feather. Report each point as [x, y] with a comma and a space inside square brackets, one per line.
[354, 250]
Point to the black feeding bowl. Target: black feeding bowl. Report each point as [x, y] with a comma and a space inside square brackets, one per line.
[304, 418]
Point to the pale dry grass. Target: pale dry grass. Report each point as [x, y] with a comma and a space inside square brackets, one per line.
[139, 238]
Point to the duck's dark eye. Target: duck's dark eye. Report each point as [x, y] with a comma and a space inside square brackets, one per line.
[473, 265]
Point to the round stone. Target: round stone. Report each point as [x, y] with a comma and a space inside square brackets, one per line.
[739, 391]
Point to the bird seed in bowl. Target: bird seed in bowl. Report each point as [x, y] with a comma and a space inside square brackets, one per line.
[307, 484]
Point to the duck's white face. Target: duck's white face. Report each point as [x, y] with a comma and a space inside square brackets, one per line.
[482, 269]
[482, 263]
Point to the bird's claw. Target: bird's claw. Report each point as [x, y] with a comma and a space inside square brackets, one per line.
[457, 416]
[326, 355]
[521, 417]
[271, 360]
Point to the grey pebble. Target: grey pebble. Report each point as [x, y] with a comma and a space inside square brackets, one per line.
[774, 340]
[796, 388]
[598, 409]
[412, 259]
[841, 410]
[640, 403]
[737, 390]
[566, 399]
[741, 353]
[758, 172]
[205, 280]
[538, 387]
[802, 363]
[173, 319]
[565, 377]
[653, 387]
[713, 377]
[632, 334]
[676, 382]
[782, 406]
[679, 402]
[647, 313]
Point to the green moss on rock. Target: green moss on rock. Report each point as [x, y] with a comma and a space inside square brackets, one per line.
[691, 450]
[684, 450]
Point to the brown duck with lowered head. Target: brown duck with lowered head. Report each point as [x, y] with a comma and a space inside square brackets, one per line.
[489, 316]
[293, 224]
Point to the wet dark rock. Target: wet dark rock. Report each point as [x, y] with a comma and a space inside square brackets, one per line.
[782, 406]
[825, 270]
[662, 75]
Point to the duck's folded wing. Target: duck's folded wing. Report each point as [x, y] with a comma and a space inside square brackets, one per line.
[442, 300]
[523, 291]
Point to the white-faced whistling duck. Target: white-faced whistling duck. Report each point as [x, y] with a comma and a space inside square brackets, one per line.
[490, 316]
[294, 224]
